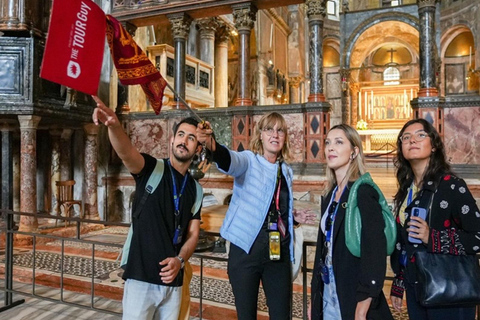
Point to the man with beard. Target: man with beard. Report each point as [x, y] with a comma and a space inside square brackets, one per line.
[165, 232]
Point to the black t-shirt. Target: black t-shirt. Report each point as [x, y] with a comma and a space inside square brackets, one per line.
[153, 230]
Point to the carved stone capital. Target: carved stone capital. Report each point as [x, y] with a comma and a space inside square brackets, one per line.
[426, 3]
[316, 9]
[222, 33]
[130, 27]
[207, 27]
[244, 16]
[180, 25]
[295, 82]
[91, 129]
[345, 74]
[29, 122]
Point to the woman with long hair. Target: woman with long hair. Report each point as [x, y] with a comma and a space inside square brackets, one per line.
[259, 220]
[454, 218]
[345, 286]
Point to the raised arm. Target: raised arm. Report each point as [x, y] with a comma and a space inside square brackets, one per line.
[132, 159]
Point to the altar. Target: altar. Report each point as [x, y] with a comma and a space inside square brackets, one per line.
[379, 140]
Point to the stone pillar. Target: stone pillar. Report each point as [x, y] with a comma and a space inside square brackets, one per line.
[428, 105]
[221, 66]
[426, 12]
[294, 85]
[7, 168]
[10, 13]
[207, 27]
[244, 16]
[28, 170]
[354, 87]
[180, 28]
[345, 80]
[316, 14]
[55, 174]
[65, 155]
[90, 202]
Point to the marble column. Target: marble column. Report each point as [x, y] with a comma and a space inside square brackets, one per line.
[244, 16]
[7, 168]
[55, 174]
[65, 154]
[180, 28]
[316, 14]
[345, 80]
[9, 13]
[28, 170]
[222, 37]
[294, 85]
[426, 12]
[90, 199]
[207, 27]
[354, 87]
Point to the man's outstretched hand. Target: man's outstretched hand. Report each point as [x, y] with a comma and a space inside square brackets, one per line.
[104, 114]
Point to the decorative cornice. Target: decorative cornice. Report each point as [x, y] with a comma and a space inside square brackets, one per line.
[244, 17]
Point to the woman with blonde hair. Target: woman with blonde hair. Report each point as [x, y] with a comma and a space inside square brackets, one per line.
[345, 286]
[259, 220]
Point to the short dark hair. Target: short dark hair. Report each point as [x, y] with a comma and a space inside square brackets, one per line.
[189, 120]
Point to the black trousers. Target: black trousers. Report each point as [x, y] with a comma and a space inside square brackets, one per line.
[245, 272]
[418, 312]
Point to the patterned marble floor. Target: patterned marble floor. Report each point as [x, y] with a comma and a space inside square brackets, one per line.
[77, 264]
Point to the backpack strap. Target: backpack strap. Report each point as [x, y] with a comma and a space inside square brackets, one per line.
[198, 198]
[151, 185]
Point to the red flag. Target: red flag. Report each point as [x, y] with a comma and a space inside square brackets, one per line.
[133, 65]
[74, 50]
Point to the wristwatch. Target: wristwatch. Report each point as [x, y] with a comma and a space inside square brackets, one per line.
[182, 262]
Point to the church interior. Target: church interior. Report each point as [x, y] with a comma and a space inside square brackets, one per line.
[372, 64]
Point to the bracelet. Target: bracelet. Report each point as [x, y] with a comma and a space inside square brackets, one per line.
[182, 262]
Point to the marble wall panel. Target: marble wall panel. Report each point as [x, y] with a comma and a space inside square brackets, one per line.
[150, 136]
[462, 135]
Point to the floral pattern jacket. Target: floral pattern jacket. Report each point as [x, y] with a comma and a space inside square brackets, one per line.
[454, 227]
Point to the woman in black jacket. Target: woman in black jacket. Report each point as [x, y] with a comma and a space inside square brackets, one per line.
[344, 286]
[422, 170]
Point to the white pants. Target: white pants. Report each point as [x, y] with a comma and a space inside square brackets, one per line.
[146, 301]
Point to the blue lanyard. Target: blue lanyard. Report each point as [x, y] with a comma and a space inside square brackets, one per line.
[330, 231]
[176, 197]
[410, 196]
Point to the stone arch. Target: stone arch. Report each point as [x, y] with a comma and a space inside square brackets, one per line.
[364, 26]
